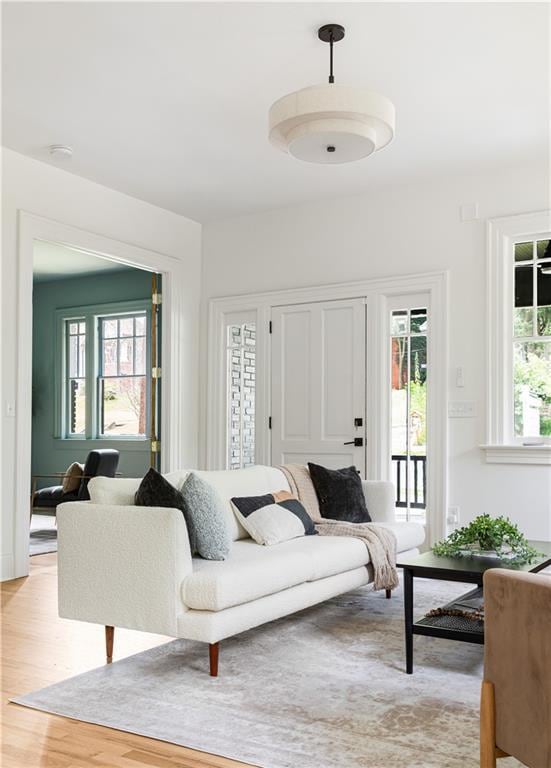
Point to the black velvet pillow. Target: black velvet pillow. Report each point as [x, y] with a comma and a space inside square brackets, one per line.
[340, 494]
[155, 491]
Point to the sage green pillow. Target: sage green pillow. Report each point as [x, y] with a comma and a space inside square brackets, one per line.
[209, 535]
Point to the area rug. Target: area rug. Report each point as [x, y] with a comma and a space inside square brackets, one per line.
[43, 535]
[324, 688]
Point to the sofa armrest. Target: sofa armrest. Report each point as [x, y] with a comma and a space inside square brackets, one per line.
[517, 661]
[379, 497]
[122, 566]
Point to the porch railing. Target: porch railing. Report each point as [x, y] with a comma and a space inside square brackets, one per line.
[412, 483]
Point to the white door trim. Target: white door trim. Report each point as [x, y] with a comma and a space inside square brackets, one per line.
[376, 292]
[30, 228]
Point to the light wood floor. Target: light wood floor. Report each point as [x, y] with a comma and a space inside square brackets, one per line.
[38, 649]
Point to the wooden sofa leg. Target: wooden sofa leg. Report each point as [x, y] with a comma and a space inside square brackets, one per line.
[388, 593]
[487, 726]
[213, 658]
[109, 639]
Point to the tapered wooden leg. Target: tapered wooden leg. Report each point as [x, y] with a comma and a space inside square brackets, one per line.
[109, 638]
[388, 593]
[487, 726]
[213, 658]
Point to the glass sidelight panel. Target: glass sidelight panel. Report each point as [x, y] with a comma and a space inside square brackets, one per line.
[409, 411]
[241, 383]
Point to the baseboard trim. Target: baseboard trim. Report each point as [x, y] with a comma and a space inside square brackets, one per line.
[7, 567]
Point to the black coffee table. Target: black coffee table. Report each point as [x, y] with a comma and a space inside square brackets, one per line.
[465, 569]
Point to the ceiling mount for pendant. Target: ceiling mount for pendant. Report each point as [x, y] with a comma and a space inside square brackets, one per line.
[331, 123]
[331, 33]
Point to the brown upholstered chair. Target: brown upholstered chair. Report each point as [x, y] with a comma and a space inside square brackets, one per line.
[515, 709]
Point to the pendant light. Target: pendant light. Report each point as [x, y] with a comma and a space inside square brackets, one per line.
[331, 123]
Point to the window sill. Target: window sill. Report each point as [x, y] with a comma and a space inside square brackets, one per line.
[517, 454]
[123, 443]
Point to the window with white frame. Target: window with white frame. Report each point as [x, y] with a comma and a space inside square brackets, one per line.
[532, 339]
[240, 394]
[104, 386]
[519, 344]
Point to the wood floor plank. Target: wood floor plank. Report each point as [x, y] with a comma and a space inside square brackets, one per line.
[38, 649]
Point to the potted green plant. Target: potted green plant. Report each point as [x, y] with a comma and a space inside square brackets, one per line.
[487, 536]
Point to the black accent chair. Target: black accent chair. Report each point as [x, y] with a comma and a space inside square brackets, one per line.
[100, 462]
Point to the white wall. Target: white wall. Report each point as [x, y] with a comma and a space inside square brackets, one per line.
[55, 194]
[402, 230]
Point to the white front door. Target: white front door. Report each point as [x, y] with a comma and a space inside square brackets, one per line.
[318, 383]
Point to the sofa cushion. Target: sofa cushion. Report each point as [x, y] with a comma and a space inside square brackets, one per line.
[253, 481]
[72, 478]
[121, 490]
[206, 520]
[253, 571]
[273, 517]
[340, 493]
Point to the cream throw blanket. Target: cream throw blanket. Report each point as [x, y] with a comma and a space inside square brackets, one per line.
[380, 542]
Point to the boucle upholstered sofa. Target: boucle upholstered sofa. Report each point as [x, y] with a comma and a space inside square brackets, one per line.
[126, 566]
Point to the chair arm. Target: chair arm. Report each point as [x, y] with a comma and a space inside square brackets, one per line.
[122, 566]
[517, 660]
[380, 500]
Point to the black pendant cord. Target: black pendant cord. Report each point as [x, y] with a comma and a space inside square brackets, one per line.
[331, 33]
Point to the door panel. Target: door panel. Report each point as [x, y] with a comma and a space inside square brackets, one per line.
[318, 383]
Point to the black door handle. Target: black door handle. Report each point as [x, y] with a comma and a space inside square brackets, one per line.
[358, 442]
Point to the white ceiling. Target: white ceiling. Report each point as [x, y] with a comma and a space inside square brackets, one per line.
[168, 102]
[55, 262]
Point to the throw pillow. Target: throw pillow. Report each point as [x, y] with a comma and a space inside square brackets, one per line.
[273, 518]
[72, 477]
[340, 494]
[206, 518]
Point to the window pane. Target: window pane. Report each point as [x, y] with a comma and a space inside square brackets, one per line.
[418, 394]
[524, 251]
[524, 287]
[81, 356]
[140, 355]
[399, 322]
[109, 329]
[73, 328]
[140, 326]
[544, 302]
[110, 357]
[124, 406]
[126, 326]
[399, 404]
[234, 335]
[82, 327]
[532, 385]
[544, 249]
[77, 406]
[419, 321]
[73, 356]
[523, 321]
[126, 356]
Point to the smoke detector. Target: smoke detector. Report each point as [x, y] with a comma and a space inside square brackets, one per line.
[60, 151]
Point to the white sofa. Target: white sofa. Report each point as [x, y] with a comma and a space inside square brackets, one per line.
[126, 566]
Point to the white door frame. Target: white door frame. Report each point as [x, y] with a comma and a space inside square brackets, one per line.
[376, 292]
[31, 228]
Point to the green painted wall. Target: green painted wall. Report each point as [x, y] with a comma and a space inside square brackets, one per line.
[54, 455]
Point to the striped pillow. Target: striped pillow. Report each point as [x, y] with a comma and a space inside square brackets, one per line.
[273, 518]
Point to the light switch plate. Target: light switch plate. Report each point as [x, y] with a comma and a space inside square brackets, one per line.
[461, 409]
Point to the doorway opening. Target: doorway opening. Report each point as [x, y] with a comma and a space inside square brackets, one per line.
[96, 367]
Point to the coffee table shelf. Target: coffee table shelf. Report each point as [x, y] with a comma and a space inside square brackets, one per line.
[466, 570]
